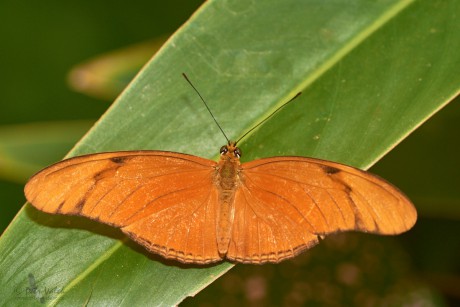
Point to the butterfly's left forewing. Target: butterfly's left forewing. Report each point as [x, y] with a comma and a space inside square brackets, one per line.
[165, 201]
[284, 203]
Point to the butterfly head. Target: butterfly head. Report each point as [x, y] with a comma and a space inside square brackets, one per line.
[230, 150]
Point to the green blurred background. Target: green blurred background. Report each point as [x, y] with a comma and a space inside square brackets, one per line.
[40, 44]
[41, 117]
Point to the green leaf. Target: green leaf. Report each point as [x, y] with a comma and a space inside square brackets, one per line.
[371, 72]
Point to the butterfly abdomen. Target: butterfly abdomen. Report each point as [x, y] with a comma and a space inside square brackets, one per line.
[226, 181]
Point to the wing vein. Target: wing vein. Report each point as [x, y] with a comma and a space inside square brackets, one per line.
[369, 208]
[285, 200]
[317, 206]
[146, 205]
[337, 205]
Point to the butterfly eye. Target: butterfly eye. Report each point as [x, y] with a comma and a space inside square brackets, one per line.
[237, 152]
[223, 150]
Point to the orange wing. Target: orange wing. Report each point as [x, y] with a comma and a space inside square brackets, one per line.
[284, 203]
[165, 201]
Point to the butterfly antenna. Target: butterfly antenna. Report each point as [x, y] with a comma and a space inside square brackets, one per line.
[273, 113]
[209, 110]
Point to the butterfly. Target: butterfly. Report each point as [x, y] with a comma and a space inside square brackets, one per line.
[200, 211]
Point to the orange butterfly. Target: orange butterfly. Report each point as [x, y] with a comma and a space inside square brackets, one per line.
[196, 210]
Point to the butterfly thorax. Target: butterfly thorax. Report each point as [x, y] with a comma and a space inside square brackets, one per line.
[226, 181]
[228, 167]
[227, 173]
